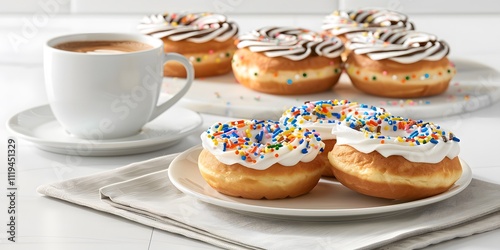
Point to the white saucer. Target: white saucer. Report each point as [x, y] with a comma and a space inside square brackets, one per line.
[329, 200]
[39, 126]
[475, 86]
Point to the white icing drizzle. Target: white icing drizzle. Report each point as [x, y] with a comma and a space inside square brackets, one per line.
[297, 136]
[415, 140]
[195, 27]
[403, 47]
[260, 144]
[322, 116]
[369, 128]
[289, 42]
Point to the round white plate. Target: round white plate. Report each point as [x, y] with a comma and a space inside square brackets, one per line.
[329, 200]
[39, 126]
[475, 86]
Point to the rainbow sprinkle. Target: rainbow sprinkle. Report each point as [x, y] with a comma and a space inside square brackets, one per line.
[409, 131]
[327, 111]
[254, 140]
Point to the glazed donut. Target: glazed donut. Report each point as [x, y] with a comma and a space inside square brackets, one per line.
[392, 157]
[322, 117]
[260, 159]
[403, 64]
[206, 39]
[287, 61]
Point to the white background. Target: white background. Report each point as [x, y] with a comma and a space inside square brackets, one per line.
[250, 7]
[470, 27]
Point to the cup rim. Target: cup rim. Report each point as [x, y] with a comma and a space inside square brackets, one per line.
[104, 36]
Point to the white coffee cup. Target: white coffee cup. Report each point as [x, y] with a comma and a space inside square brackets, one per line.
[108, 95]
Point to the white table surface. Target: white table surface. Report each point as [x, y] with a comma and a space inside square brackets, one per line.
[45, 223]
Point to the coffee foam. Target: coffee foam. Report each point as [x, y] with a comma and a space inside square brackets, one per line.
[103, 47]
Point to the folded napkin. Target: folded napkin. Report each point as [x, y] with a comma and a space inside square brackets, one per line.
[142, 192]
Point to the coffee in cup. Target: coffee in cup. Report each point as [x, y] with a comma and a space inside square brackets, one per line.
[107, 85]
[103, 46]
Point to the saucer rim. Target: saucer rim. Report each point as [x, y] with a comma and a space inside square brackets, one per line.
[101, 145]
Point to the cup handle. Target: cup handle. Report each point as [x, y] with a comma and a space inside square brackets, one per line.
[158, 110]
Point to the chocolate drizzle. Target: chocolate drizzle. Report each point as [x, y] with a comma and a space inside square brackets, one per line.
[290, 42]
[403, 46]
[195, 27]
[342, 22]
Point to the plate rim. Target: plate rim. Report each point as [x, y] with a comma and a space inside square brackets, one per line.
[463, 181]
[98, 145]
[224, 106]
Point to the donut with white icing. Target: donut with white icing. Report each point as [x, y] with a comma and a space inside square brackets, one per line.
[405, 64]
[257, 159]
[206, 39]
[287, 61]
[393, 157]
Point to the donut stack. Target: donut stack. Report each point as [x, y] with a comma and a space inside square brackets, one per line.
[366, 148]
